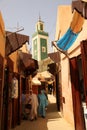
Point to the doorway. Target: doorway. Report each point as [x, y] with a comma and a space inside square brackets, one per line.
[77, 92]
[82, 90]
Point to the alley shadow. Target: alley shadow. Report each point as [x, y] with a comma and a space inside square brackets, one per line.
[52, 111]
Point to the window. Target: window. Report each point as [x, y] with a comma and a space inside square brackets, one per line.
[43, 49]
[41, 26]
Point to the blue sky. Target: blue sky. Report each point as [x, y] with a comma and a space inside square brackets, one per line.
[25, 13]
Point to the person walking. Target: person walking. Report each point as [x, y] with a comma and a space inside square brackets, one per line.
[33, 100]
[43, 102]
[24, 116]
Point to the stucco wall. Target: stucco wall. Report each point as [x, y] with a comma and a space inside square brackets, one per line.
[64, 17]
[13, 57]
[2, 36]
[66, 92]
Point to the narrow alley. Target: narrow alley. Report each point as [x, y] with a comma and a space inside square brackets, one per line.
[53, 120]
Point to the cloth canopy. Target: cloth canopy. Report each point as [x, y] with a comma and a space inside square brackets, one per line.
[54, 56]
[35, 81]
[66, 41]
[43, 75]
[80, 6]
[26, 63]
[84, 0]
[46, 74]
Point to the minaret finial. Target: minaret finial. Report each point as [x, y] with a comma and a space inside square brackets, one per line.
[39, 17]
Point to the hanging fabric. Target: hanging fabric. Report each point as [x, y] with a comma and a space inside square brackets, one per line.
[84, 0]
[14, 87]
[77, 22]
[66, 41]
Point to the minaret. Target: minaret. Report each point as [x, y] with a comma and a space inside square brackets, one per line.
[40, 42]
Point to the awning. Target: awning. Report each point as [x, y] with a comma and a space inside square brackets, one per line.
[44, 63]
[80, 6]
[43, 75]
[35, 81]
[66, 41]
[26, 62]
[46, 74]
[53, 68]
[14, 41]
[54, 56]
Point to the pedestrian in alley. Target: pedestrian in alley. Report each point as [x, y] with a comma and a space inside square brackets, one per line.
[33, 100]
[44, 90]
[24, 116]
[43, 102]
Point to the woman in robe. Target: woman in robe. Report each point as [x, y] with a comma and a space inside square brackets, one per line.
[43, 102]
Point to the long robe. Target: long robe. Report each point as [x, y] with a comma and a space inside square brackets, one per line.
[42, 104]
[34, 103]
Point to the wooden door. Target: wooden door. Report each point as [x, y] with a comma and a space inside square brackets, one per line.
[84, 65]
[19, 100]
[16, 103]
[1, 89]
[59, 93]
[7, 101]
[77, 105]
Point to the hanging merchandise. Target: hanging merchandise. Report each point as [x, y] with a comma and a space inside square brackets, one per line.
[14, 87]
[65, 42]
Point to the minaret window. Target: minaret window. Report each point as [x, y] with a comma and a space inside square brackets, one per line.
[41, 27]
[43, 49]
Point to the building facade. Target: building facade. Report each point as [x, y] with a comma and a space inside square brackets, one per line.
[16, 68]
[2, 64]
[72, 71]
